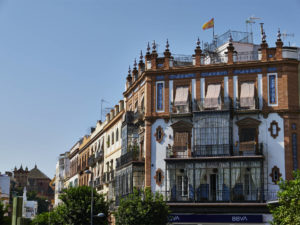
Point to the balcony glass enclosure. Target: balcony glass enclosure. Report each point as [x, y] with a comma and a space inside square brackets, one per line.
[215, 181]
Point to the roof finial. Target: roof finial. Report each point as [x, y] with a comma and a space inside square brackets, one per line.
[278, 35]
[148, 48]
[167, 45]
[153, 45]
[198, 42]
[141, 56]
[230, 38]
[129, 70]
[264, 36]
[134, 64]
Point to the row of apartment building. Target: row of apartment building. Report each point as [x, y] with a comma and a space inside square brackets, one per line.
[213, 132]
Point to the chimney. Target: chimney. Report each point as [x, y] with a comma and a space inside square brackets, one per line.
[116, 109]
[107, 117]
[121, 105]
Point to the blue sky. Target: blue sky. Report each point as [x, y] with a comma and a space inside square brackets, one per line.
[58, 58]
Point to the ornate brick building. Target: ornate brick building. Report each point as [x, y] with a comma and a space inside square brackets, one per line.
[213, 132]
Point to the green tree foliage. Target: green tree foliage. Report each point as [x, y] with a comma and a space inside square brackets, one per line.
[75, 208]
[142, 209]
[77, 203]
[4, 220]
[56, 217]
[287, 212]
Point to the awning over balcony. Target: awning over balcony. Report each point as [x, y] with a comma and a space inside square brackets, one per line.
[247, 95]
[212, 96]
[182, 95]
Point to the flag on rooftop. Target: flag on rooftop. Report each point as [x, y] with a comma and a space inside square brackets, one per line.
[208, 24]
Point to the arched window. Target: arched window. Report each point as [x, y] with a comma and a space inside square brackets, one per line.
[117, 135]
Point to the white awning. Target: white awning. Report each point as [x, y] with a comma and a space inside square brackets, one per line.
[212, 96]
[247, 95]
[182, 95]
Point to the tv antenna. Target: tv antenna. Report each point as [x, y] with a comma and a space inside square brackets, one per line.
[251, 21]
[286, 35]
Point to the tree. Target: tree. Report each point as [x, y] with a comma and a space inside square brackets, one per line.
[143, 208]
[4, 220]
[55, 217]
[287, 212]
[77, 202]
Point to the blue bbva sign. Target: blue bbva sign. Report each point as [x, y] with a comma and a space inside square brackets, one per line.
[176, 218]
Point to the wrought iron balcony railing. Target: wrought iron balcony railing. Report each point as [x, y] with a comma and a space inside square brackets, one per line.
[241, 149]
[246, 104]
[204, 195]
[130, 156]
[213, 104]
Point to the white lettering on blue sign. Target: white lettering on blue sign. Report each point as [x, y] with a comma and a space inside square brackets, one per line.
[246, 71]
[239, 218]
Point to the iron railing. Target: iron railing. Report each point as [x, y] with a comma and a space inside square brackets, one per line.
[205, 195]
[130, 156]
[212, 150]
[248, 148]
[177, 152]
[249, 104]
[212, 104]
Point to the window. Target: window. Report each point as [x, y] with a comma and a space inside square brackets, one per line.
[274, 129]
[108, 141]
[117, 135]
[112, 138]
[159, 134]
[159, 177]
[275, 174]
[212, 98]
[272, 89]
[182, 99]
[247, 95]
[160, 96]
[294, 149]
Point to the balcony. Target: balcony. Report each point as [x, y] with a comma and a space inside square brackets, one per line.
[181, 109]
[130, 156]
[138, 114]
[212, 104]
[217, 150]
[212, 150]
[249, 148]
[247, 104]
[91, 160]
[99, 156]
[98, 182]
[178, 152]
[204, 195]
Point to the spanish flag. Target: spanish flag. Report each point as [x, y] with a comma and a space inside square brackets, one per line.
[208, 24]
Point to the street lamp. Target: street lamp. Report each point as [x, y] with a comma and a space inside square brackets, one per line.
[92, 195]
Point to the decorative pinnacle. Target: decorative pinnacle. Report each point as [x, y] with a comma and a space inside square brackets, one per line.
[278, 34]
[198, 42]
[153, 45]
[230, 38]
[141, 56]
[167, 45]
[129, 70]
[134, 64]
[148, 48]
[264, 36]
